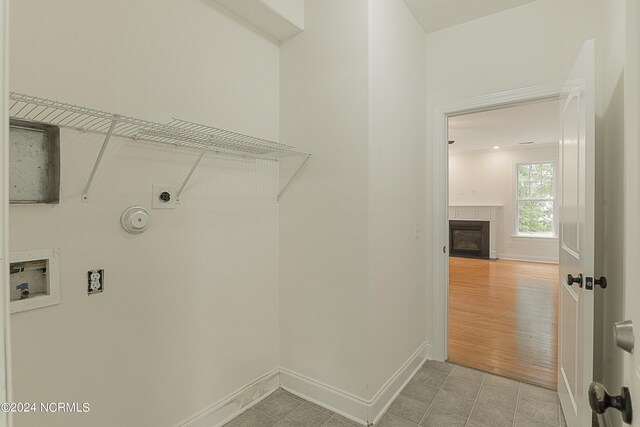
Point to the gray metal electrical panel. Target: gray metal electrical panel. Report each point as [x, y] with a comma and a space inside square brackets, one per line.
[34, 162]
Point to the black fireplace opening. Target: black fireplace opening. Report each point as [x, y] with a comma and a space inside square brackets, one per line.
[469, 239]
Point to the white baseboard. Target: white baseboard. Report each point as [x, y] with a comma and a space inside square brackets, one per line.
[529, 258]
[392, 388]
[341, 402]
[332, 398]
[233, 405]
[428, 351]
[356, 408]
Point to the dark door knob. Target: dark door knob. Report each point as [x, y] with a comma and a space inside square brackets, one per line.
[602, 282]
[571, 280]
[600, 400]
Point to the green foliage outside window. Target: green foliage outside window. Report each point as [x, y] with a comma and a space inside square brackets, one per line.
[535, 198]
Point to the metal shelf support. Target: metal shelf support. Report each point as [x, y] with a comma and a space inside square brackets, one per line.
[193, 169]
[293, 176]
[85, 191]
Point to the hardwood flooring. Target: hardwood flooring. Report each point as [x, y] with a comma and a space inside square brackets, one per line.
[503, 318]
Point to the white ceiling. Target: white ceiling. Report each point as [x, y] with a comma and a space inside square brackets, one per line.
[435, 15]
[506, 127]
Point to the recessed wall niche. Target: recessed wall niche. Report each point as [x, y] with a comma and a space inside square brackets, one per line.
[34, 279]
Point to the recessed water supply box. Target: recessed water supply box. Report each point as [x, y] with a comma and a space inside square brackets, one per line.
[34, 279]
[34, 162]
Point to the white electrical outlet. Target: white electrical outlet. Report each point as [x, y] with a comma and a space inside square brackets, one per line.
[164, 197]
[95, 281]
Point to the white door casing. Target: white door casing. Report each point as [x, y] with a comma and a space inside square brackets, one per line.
[5, 372]
[576, 238]
[439, 162]
[631, 371]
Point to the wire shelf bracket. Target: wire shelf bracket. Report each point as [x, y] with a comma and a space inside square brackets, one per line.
[295, 174]
[96, 165]
[190, 174]
[180, 133]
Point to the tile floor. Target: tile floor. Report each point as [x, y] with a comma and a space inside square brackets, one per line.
[439, 395]
[283, 409]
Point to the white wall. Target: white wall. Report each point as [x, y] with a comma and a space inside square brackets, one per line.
[520, 47]
[352, 271]
[276, 20]
[189, 312]
[292, 10]
[397, 188]
[488, 177]
[324, 214]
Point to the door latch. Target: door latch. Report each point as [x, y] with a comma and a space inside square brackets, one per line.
[602, 282]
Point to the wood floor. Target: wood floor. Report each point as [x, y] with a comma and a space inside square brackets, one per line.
[503, 318]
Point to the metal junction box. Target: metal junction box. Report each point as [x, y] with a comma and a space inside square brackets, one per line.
[34, 162]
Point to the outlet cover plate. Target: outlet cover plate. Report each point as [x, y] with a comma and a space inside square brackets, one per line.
[164, 197]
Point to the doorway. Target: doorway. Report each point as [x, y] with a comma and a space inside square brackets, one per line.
[502, 260]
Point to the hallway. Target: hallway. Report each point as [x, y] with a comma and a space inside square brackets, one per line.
[503, 318]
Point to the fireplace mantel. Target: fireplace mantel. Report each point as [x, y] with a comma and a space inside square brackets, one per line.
[479, 212]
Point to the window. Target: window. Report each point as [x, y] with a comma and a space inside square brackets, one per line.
[535, 199]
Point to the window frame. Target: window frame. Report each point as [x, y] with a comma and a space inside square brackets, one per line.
[554, 222]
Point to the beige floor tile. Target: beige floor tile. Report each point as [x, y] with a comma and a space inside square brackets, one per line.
[278, 405]
[408, 408]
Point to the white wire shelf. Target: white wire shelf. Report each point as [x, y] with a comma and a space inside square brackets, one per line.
[180, 133]
[177, 132]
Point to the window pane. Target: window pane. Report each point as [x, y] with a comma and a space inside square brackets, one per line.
[541, 181]
[535, 217]
[535, 181]
[523, 181]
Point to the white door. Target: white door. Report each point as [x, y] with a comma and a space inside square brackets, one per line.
[576, 239]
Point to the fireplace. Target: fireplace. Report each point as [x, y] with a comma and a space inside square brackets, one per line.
[469, 239]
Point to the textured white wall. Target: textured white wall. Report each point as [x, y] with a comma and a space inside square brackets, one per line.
[397, 188]
[488, 177]
[520, 47]
[189, 312]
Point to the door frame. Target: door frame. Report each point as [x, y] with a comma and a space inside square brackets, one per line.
[631, 368]
[5, 343]
[440, 169]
